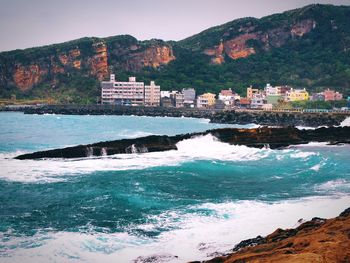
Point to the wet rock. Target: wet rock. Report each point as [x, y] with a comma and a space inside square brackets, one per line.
[156, 258]
[345, 213]
[273, 138]
[249, 242]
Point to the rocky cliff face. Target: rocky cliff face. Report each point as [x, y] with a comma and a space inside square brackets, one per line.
[27, 76]
[28, 68]
[153, 56]
[286, 42]
[98, 62]
[238, 47]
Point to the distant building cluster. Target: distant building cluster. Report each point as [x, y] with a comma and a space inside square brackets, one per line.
[133, 93]
[271, 96]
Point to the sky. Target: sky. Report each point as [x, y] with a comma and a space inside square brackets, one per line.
[30, 23]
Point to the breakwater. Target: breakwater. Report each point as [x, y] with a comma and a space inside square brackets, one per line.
[259, 137]
[283, 118]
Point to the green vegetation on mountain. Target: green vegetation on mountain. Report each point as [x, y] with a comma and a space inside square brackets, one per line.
[307, 47]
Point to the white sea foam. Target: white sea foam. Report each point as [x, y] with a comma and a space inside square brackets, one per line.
[311, 144]
[305, 128]
[345, 122]
[316, 167]
[195, 237]
[302, 155]
[199, 148]
[333, 185]
[133, 134]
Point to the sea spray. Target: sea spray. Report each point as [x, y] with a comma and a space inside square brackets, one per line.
[178, 205]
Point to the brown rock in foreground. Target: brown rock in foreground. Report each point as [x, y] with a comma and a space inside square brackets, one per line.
[318, 240]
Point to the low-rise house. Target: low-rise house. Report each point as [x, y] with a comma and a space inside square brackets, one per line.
[251, 92]
[244, 103]
[179, 100]
[317, 97]
[228, 97]
[166, 102]
[257, 101]
[338, 96]
[165, 93]
[207, 99]
[331, 95]
[297, 95]
[284, 89]
[202, 102]
[189, 97]
[271, 91]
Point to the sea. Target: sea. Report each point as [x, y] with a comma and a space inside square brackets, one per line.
[189, 204]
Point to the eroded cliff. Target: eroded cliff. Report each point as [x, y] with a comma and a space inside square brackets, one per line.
[305, 47]
[90, 57]
[235, 44]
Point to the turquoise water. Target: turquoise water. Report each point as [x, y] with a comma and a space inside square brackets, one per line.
[189, 203]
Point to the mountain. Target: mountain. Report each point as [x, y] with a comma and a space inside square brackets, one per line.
[307, 47]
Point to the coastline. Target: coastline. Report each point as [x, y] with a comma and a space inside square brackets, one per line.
[213, 223]
[242, 117]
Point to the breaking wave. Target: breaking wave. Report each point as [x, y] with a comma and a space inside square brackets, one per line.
[199, 148]
[196, 232]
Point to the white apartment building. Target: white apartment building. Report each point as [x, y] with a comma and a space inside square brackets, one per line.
[122, 93]
[165, 93]
[272, 91]
[228, 97]
[152, 94]
[257, 101]
[202, 102]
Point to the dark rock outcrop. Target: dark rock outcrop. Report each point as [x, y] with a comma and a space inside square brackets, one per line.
[279, 118]
[260, 137]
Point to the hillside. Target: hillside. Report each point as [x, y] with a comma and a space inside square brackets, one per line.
[307, 47]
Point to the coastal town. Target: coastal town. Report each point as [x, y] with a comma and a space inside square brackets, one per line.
[136, 93]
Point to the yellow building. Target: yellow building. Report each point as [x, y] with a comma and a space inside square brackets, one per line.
[251, 92]
[206, 100]
[297, 95]
[210, 97]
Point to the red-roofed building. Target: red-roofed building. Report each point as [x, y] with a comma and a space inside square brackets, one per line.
[244, 103]
[331, 95]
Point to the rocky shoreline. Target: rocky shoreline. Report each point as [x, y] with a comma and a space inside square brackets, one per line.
[258, 137]
[285, 118]
[318, 240]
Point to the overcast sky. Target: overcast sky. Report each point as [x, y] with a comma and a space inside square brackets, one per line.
[28, 23]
